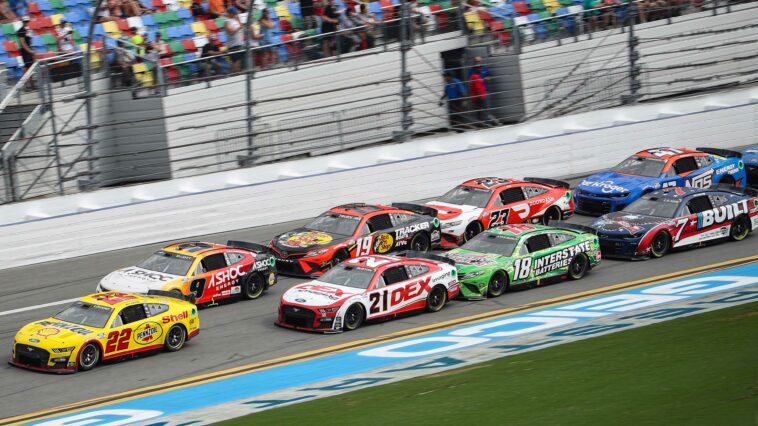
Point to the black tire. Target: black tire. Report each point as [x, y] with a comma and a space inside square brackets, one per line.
[578, 266]
[660, 245]
[727, 180]
[175, 338]
[421, 242]
[253, 286]
[552, 214]
[354, 317]
[89, 356]
[339, 257]
[472, 230]
[740, 228]
[498, 284]
[436, 299]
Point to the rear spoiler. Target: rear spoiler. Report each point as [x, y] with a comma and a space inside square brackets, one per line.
[412, 254]
[750, 192]
[416, 208]
[172, 294]
[573, 227]
[549, 182]
[254, 247]
[721, 152]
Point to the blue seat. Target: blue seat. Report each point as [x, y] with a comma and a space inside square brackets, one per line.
[540, 29]
[72, 17]
[71, 3]
[110, 42]
[184, 13]
[148, 21]
[375, 7]
[294, 9]
[222, 37]
[186, 31]
[83, 30]
[45, 6]
[99, 31]
[281, 51]
[37, 42]
[174, 33]
[621, 12]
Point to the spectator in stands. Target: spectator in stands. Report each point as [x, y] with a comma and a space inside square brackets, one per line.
[267, 29]
[479, 99]
[234, 38]
[133, 8]
[160, 46]
[197, 9]
[6, 13]
[241, 5]
[483, 73]
[122, 64]
[25, 42]
[214, 64]
[329, 21]
[216, 8]
[455, 94]
[369, 22]
[65, 37]
[255, 43]
[348, 39]
[308, 13]
[137, 40]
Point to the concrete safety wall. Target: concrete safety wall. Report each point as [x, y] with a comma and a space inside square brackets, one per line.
[80, 224]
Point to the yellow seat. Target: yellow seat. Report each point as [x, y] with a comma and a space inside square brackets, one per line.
[185, 4]
[282, 12]
[111, 28]
[56, 19]
[199, 29]
[143, 74]
[474, 23]
[94, 58]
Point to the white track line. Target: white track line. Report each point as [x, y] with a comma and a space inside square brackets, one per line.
[31, 308]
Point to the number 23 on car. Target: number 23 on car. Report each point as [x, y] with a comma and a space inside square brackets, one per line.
[104, 326]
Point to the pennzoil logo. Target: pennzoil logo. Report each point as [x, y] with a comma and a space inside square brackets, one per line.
[383, 243]
[147, 333]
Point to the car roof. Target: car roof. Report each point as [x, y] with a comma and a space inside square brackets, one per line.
[369, 262]
[362, 209]
[490, 182]
[677, 192]
[126, 299]
[520, 229]
[665, 153]
[193, 248]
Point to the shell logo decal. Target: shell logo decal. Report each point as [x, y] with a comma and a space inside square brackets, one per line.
[383, 243]
[308, 238]
[47, 332]
[146, 333]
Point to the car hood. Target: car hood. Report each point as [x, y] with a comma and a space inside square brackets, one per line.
[612, 183]
[750, 155]
[626, 224]
[465, 257]
[302, 240]
[55, 331]
[318, 294]
[136, 280]
[446, 211]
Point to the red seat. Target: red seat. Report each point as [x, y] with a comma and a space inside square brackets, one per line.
[440, 16]
[484, 15]
[189, 45]
[496, 26]
[33, 9]
[521, 8]
[11, 47]
[285, 25]
[505, 38]
[210, 24]
[34, 24]
[123, 25]
[45, 23]
[388, 9]
[171, 72]
[292, 48]
[159, 6]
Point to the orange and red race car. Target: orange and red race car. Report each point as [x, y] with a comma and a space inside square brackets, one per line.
[353, 230]
[207, 271]
[485, 203]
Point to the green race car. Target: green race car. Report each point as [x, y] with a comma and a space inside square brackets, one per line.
[498, 258]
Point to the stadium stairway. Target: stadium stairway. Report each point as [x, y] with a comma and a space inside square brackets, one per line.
[12, 118]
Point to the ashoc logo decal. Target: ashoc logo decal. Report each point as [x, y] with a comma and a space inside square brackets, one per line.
[147, 333]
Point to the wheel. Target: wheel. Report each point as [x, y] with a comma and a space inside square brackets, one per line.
[552, 214]
[472, 230]
[339, 257]
[727, 180]
[420, 242]
[253, 286]
[740, 228]
[498, 284]
[436, 299]
[175, 338]
[578, 266]
[660, 245]
[353, 317]
[88, 357]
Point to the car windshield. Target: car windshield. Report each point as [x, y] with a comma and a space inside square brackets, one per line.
[348, 276]
[653, 206]
[640, 166]
[487, 242]
[468, 196]
[168, 263]
[86, 314]
[333, 223]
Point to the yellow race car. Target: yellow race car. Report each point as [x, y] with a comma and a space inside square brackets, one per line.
[105, 326]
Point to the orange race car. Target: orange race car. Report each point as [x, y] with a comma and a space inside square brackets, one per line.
[353, 230]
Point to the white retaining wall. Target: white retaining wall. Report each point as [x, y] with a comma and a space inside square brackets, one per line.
[80, 224]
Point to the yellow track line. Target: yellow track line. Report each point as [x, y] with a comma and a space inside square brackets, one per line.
[343, 347]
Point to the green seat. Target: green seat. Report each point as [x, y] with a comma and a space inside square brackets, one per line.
[172, 17]
[485, 3]
[164, 35]
[77, 37]
[49, 40]
[257, 14]
[8, 29]
[58, 5]
[220, 21]
[446, 4]
[176, 47]
[296, 23]
[537, 6]
[508, 23]
[184, 70]
[566, 3]
[551, 25]
[159, 18]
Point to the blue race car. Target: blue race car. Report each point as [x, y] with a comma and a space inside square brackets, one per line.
[657, 168]
[750, 158]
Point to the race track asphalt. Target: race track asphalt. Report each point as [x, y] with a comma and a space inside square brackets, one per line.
[244, 332]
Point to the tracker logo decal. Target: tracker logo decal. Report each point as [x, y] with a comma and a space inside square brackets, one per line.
[408, 231]
[721, 214]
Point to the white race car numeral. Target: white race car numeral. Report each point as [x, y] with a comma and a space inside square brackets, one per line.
[522, 268]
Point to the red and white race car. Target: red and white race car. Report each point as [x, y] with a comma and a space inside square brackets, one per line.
[367, 288]
[488, 202]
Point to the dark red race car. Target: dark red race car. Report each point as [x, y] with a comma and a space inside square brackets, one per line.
[352, 230]
[677, 217]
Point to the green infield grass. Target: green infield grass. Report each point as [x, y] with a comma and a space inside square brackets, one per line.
[698, 370]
